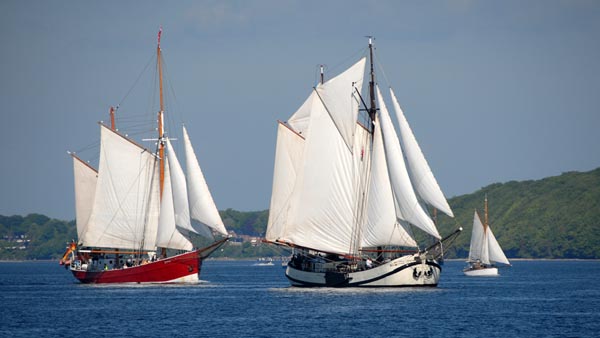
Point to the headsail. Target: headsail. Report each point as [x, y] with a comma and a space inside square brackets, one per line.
[167, 234]
[179, 189]
[496, 254]
[406, 201]
[381, 227]
[420, 173]
[202, 206]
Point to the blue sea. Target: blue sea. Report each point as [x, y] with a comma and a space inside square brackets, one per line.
[239, 299]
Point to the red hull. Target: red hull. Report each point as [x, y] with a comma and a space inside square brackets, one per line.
[161, 271]
[164, 270]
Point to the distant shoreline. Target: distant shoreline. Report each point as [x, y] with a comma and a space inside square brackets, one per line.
[257, 258]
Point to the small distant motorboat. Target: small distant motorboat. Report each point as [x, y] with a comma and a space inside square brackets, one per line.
[264, 262]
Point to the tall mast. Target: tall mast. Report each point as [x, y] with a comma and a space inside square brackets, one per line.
[322, 76]
[161, 144]
[112, 118]
[485, 208]
[372, 108]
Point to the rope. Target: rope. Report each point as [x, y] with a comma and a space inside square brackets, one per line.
[135, 83]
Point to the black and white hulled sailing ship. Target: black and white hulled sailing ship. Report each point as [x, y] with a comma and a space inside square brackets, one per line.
[347, 192]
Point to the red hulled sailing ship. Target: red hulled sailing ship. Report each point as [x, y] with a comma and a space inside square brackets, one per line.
[135, 211]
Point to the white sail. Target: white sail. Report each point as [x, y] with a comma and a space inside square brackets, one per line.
[478, 250]
[300, 119]
[288, 154]
[126, 203]
[179, 189]
[167, 234]
[422, 178]
[86, 178]
[407, 204]
[381, 227]
[484, 246]
[322, 204]
[340, 100]
[202, 206]
[495, 252]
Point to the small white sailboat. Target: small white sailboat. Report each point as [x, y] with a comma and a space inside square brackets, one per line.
[484, 250]
[343, 196]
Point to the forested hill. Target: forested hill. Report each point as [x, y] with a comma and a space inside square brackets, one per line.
[555, 217]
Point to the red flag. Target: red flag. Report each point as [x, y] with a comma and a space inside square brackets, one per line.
[159, 33]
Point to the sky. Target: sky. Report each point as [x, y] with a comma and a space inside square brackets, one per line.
[494, 90]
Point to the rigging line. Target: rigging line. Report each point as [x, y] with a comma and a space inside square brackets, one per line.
[145, 193]
[362, 52]
[362, 194]
[136, 81]
[174, 102]
[92, 145]
[381, 70]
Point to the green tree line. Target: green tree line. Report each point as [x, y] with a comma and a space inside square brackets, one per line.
[555, 217]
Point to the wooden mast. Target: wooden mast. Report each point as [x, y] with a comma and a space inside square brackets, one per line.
[485, 208]
[112, 118]
[161, 144]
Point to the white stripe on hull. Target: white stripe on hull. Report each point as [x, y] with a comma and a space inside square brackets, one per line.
[403, 271]
[189, 279]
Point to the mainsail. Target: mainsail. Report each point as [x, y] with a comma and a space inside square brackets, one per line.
[420, 173]
[407, 204]
[321, 206]
[202, 205]
[320, 189]
[126, 203]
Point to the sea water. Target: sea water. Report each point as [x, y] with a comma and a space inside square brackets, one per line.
[239, 299]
